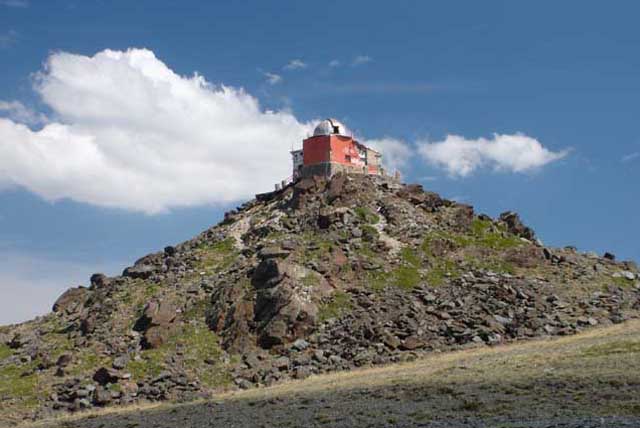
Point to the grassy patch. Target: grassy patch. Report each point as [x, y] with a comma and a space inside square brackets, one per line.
[411, 257]
[406, 277]
[198, 310]
[367, 252]
[370, 233]
[457, 241]
[440, 271]
[57, 344]
[491, 264]
[471, 405]
[483, 234]
[216, 256]
[87, 361]
[151, 290]
[310, 280]
[366, 215]
[613, 348]
[320, 246]
[5, 351]
[151, 364]
[197, 343]
[19, 383]
[377, 280]
[339, 303]
[623, 282]
[486, 234]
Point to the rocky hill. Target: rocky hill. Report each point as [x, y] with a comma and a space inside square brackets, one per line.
[320, 276]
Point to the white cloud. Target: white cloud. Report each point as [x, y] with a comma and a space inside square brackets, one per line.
[334, 63]
[361, 59]
[18, 112]
[395, 153]
[272, 78]
[14, 3]
[514, 153]
[33, 283]
[295, 64]
[630, 157]
[133, 134]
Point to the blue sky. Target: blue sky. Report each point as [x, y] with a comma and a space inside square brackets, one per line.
[563, 74]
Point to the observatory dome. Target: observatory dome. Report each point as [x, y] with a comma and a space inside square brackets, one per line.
[330, 127]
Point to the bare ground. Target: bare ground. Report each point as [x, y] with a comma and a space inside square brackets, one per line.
[587, 380]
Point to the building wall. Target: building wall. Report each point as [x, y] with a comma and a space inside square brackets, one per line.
[373, 161]
[298, 162]
[329, 154]
[316, 149]
[344, 150]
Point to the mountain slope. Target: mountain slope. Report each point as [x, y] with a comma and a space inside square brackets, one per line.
[318, 277]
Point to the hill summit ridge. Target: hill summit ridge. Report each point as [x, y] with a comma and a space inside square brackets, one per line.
[325, 274]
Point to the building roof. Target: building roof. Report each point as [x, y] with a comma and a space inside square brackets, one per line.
[330, 127]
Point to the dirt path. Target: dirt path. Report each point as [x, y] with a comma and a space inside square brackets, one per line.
[588, 380]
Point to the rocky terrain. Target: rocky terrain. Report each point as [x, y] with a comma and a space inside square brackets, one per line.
[588, 380]
[321, 276]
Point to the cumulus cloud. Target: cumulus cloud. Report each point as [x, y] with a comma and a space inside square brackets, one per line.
[334, 63]
[514, 153]
[395, 153]
[272, 78]
[131, 133]
[17, 111]
[361, 59]
[295, 64]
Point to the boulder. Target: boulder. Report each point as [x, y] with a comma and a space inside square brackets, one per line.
[432, 201]
[88, 323]
[71, 299]
[64, 360]
[99, 280]
[101, 396]
[413, 193]
[120, 362]
[515, 226]
[156, 322]
[160, 313]
[328, 216]
[24, 339]
[288, 310]
[273, 252]
[104, 376]
[269, 273]
[462, 218]
[139, 271]
[336, 186]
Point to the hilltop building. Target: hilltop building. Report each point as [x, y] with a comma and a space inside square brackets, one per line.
[331, 150]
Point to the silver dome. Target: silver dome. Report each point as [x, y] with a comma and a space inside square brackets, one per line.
[330, 127]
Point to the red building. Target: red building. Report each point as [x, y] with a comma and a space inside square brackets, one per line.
[331, 150]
